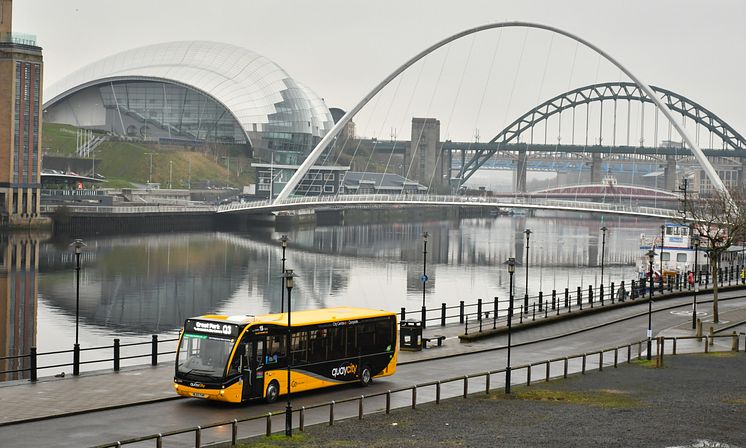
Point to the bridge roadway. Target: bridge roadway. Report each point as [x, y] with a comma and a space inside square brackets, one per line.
[356, 200]
[24, 401]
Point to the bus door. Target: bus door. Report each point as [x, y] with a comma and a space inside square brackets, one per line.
[254, 378]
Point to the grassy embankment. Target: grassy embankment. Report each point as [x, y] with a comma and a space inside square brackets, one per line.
[127, 164]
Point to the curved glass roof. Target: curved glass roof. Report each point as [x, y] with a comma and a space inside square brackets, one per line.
[258, 92]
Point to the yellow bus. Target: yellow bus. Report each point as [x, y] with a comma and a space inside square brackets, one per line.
[239, 358]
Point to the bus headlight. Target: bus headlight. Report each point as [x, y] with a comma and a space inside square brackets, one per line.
[222, 391]
[176, 386]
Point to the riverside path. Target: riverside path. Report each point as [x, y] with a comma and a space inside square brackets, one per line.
[97, 408]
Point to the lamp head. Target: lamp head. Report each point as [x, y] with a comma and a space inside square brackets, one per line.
[289, 278]
[651, 255]
[78, 244]
[604, 229]
[527, 232]
[425, 235]
[284, 240]
[511, 265]
[695, 240]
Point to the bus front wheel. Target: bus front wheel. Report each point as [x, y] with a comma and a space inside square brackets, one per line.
[365, 376]
[273, 390]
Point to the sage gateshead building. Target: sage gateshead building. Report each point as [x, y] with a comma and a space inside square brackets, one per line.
[190, 93]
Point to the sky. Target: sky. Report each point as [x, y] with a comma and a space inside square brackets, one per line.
[342, 49]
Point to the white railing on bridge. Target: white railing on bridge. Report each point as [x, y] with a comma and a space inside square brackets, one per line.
[109, 209]
[299, 202]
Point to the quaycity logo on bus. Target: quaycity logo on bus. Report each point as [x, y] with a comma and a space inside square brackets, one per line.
[345, 369]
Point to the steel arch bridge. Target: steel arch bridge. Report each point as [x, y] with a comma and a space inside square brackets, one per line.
[609, 91]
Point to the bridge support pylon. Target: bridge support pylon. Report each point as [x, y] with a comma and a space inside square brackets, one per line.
[521, 167]
[596, 168]
[669, 174]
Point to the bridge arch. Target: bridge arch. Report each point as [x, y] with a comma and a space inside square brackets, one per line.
[609, 91]
[329, 137]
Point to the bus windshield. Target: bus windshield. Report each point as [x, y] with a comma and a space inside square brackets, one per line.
[203, 355]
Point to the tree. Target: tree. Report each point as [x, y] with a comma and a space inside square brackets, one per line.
[720, 220]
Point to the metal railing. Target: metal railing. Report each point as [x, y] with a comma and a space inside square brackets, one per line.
[29, 363]
[113, 209]
[548, 369]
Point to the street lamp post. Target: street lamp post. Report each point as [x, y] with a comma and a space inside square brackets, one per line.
[288, 275]
[525, 297]
[424, 276]
[170, 172]
[695, 240]
[651, 257]
[511, 270]
[78, 245]
[284, 240]
[663, 235]
[603, 252]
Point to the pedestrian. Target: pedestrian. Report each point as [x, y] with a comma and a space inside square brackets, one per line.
[690, 279]
[743, 275]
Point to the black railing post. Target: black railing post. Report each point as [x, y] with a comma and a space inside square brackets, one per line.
[533, 311]
[567, 298]
[495, 311]
[424, 317]
[554, 299]
[621, 288]
[479, 309]
[525, 302]
[590, 295]
[601, 294]
[76, 359]
[611, 293]
[116, 355]
[442, 314]
[461, 311]
[154, 350]
[32, 364]
[403, 314]
[580, 297]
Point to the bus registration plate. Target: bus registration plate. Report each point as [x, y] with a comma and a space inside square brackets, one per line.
[198, 395]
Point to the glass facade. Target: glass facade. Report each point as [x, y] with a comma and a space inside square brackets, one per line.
[196, 90]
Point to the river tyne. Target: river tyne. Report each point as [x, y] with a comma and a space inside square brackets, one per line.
[133, 286]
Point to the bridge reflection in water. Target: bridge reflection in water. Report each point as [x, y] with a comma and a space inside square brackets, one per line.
[134, 286]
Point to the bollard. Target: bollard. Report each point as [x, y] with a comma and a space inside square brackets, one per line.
[159, 441]
[580, 297]
[404, 314]
[629, 353]
[331, 413]
[547, 376]
[268, 432]
[554, 299]
[442, 314]
[414, 397]
[567, 298]
[611, 292]
[437, 392]
[528, 375]
[466, 385]
[461, 311]
[639, 350]
[533, 314]
[601, 361]
[302, 418]
[590, 295]
[234, 431]
[388, 401]
[734, 344]
[546, 311]
[663, 350]
[601, 294]
[76, 359]
[583, 368]
[541, 301]
[479, 310]
[360, 407]
[487, 384]
[494, 314]
[699, 330]
[712, 335]
[32, 364]
[198, 437]
[424, 317]
[154, 350]
[616, 356]
[707, 345]
[116, 355]
[674, 345]
[520, 316]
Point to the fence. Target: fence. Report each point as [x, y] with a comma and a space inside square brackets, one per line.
[29, 363]
[325, 412]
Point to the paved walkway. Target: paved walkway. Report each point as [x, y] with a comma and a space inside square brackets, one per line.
[49, 397]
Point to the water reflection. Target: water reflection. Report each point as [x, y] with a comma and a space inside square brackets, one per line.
[19, 262]
[139, 285]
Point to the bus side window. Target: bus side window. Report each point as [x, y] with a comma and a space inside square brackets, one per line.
[275, 349]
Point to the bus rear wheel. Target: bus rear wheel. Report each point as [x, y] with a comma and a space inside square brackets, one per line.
[273, 391]
[365, 376]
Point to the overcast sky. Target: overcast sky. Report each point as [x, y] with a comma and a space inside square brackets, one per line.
[342, 48]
